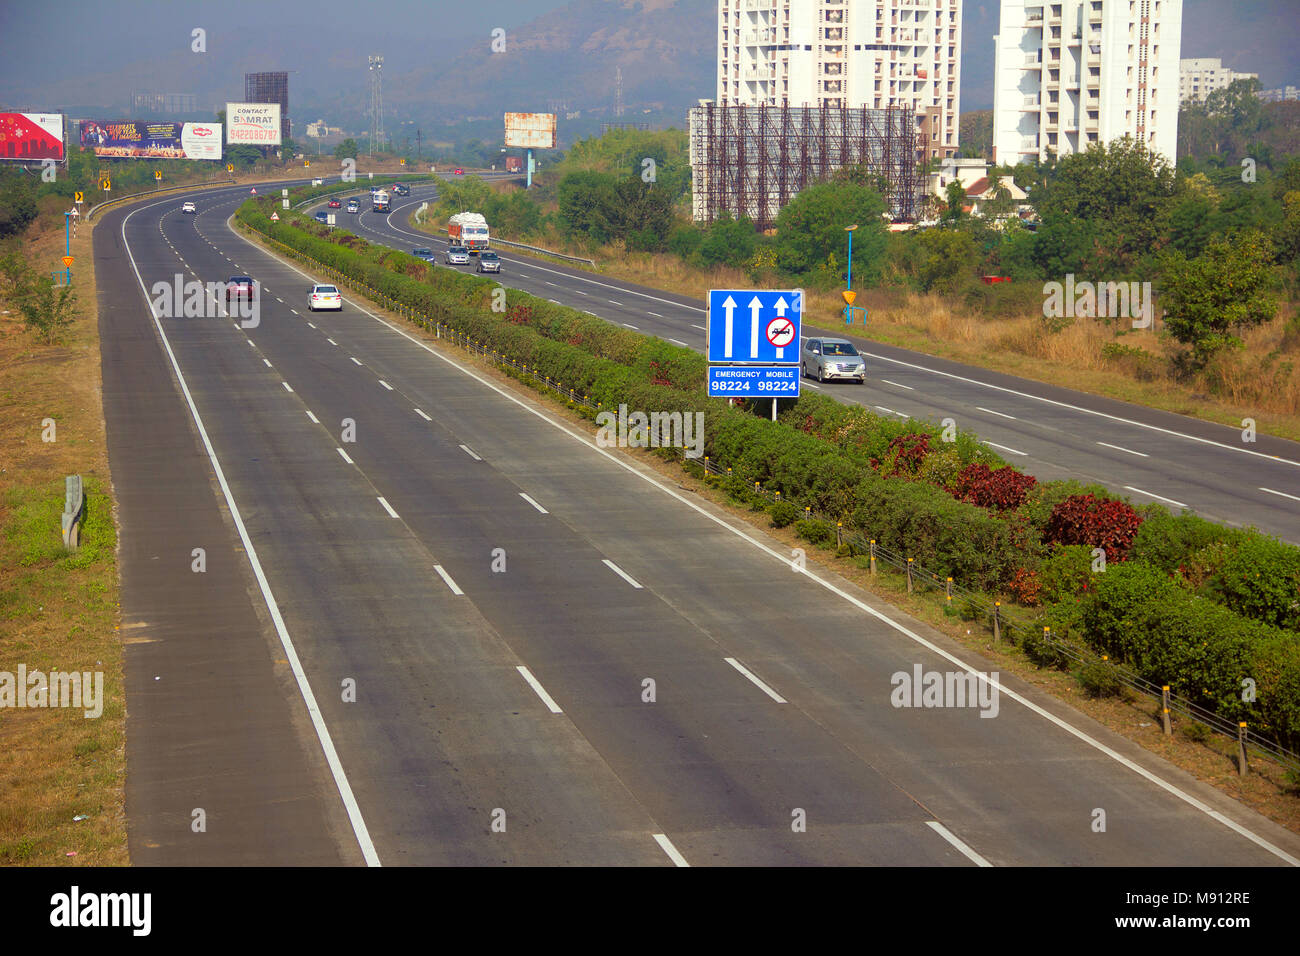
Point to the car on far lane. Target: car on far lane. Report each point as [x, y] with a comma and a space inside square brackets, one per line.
[458, 171]
[422, 253]
[489, 261]
[324, 297]
[189, 207]
[334, 204]
[401, 189]
[457, 256]
[353, 206]
[239, 287]
[827, 359]
[322, 217]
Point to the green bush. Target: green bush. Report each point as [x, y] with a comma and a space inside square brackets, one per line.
[815, 532]
[1165, 540]
[782, 513]
[1099, 679]
[1066, 572]
[1261, 579]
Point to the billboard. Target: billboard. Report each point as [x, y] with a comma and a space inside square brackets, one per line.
[254, 124]
[530, 130]
[31, 136]
[132, 139]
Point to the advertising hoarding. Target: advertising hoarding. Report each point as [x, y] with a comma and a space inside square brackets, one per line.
[31, 136]
[253, 124]
[138, 139]
[530, 130]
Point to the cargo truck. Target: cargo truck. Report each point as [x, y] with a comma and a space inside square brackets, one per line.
[468, 229]
[379, 200]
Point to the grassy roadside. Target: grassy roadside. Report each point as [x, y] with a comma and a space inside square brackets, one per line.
[1267, 789]
[58, 610]
[1262, 382]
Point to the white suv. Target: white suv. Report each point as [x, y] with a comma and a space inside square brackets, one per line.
[189, 207]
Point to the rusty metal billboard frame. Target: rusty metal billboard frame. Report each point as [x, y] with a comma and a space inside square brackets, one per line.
[530, 130]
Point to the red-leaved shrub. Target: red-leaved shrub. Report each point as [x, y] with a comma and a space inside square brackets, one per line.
[1096, 522]
[1001, 490]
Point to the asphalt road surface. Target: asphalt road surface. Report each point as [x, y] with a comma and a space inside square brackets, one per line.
[437, 625]
[1045, 430]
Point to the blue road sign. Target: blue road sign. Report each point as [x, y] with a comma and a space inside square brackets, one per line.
[754, 381]
[755, 326]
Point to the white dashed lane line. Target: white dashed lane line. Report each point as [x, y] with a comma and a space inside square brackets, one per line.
[313, 417]
[1011, 451]
[1280, 494]
[1139, 491]
[534, 504]
[539, 690]
[355, 359]
[898, 384]
[1140, 454]
[387, 506]
[455, 589]
[469, 451]
[754, 680]
[385, 384]
[422, 415]
[349, 461]
[620, 572]
[992, 412]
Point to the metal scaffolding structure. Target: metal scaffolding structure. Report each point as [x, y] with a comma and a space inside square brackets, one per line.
[752, 160]
[270, 88]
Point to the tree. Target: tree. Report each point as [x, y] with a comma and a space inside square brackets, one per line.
[47, 309]
[956, 196]
[1226, 288]
[17, 202]
[811, 228]
[943, 255]
[728, 241]
[587, 205]
[347, 149]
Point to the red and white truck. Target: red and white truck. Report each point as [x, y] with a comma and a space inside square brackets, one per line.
[468, 229]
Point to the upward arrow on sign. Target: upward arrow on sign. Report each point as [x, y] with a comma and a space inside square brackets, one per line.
[755, 308]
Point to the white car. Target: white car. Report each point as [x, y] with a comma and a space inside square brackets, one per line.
[318, 182]
[325, 297]
[456, 256]
[189, 207]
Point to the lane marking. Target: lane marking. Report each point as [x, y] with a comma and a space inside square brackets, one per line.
[898, 384]
[444, 575]
[251, 342]
[1140, 454]
[350, 462]
[579, 291]
[533, 503]
[355, 359]
[966, 851]
[422, 415]
[884, 409]
[612, 302]
[312, 324]
[993, 444]
[813, 385]
[631, 326]
[385, 384]
[535, 684]
[331, 342]
[754, 680]
[666, 845]
[620, 572]
[469, 451]
[678, 342]
[287, 388]
[383, 501]
[784, 561]
[312, 417]
[1280, 493]
[981, 408]
[358, 823]
[1157, 497]
[700, 327]
[268, 363]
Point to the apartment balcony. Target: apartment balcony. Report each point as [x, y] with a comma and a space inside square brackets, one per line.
[760, 37]
[1032, 62]
[1031, 104]
[1094, 15]
[1051, 83]
[761, 5]
[1076, 39]
[759, 76]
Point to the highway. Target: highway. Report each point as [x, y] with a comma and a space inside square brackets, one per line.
[1048, 431]
[470, 636]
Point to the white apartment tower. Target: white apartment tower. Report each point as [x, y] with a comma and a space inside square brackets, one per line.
[873, 53]
[1201, 76]
[1068, 73]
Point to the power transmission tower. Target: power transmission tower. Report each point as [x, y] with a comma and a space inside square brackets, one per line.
[376, 102]
[618, 91]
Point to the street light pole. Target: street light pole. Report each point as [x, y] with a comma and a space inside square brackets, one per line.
[848, 285]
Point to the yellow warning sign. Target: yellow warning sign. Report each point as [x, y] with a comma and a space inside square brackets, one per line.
[79, 196]
[67, 262]
[849, 296]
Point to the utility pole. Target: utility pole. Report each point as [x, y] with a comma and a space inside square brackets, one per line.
[417, 142]
[376, 101]
[618, 91]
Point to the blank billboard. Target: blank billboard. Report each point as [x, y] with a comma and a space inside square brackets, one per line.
[530, 130]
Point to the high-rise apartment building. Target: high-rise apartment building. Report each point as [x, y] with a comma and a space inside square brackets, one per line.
[1201, 76]
[1068, 73]
[855, 53]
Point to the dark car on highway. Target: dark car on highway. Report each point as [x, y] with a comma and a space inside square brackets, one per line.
[239, 287]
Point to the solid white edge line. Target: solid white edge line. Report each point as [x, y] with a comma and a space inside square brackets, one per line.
[620, 572]
[753, 679]
[993, 444]
[981, 408]
[533, 503]
[784, 561]
[1157, 497]
[422, 415]
[537, 687]
[1086, 411]
[442, 573]
[666, 845]
[1130, 451]
[359, 829]
[387, 507]
[469, 451]
[1282, 494]
[966, 851]
[345, 456]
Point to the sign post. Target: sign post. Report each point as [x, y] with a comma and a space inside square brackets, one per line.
[753, 334]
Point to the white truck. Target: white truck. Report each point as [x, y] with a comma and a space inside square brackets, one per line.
[379, 200]
[468, 229]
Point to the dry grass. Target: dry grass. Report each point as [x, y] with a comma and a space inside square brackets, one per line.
[56, 611]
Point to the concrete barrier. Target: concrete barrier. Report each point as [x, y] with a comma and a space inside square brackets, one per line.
[74, 511]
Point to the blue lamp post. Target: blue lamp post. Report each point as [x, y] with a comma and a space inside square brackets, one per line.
[848, 285]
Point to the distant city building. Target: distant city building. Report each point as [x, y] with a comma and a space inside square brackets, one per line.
[270, 88]
[847, 53]
[319, 130]
[1278, 95]
[1070, 73]
[1199, 77]
[167, 104]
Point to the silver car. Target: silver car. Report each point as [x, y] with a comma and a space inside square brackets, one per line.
[457, 256]
[827, 359]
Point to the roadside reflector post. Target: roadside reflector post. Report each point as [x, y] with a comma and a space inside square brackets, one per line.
[873, 556]
[1241, 748]
[1164, 710]
[839, 535]
[909, 575]
[997, 621]
[947, 591]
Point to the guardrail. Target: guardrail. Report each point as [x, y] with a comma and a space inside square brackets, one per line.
[74, 510]
[972, 604]
[154, 192]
